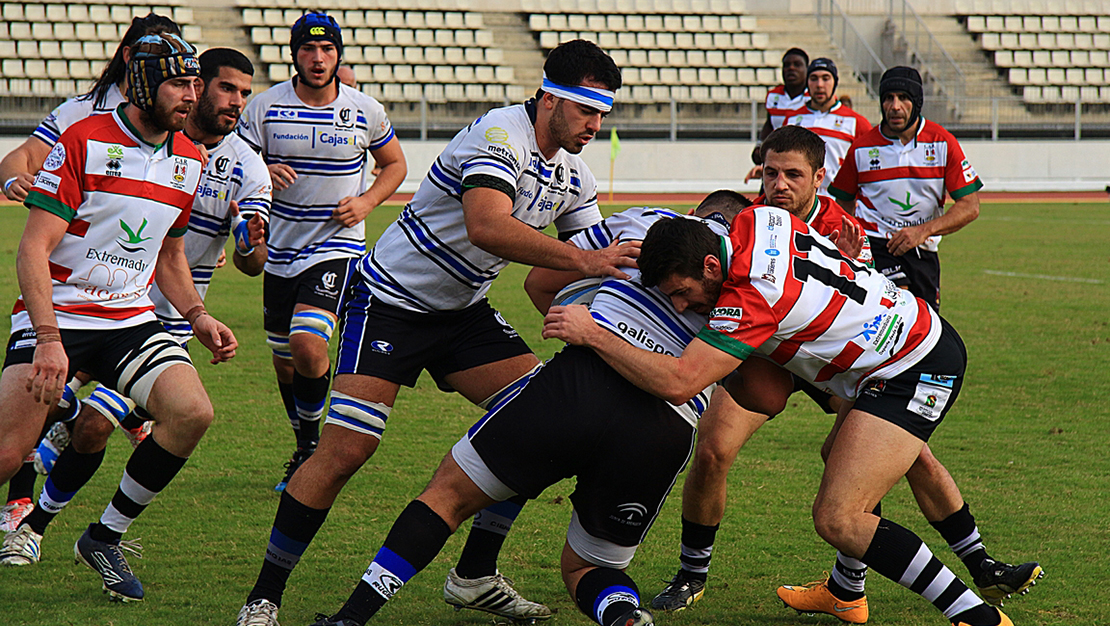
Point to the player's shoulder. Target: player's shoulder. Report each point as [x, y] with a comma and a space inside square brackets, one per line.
[932, 132]
[277, 94]
[829, 216]
[777, 90]
[362, 101]
[512, 120]
[237, 148]
[871, 138]
[184, 147]
[847, 111]
[91, 126]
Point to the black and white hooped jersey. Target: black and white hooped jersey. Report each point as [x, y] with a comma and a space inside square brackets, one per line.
[234, 172]
[425, 262]
[645, 317]
[74, 110]
[327, 148]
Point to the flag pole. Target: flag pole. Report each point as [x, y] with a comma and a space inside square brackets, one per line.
[614, 150]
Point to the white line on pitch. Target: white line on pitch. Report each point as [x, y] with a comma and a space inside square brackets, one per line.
[1066, 279]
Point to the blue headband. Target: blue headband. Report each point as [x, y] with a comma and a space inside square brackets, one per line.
[600, 99]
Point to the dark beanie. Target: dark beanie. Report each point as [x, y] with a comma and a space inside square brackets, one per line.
[908, 81]
[822, 64]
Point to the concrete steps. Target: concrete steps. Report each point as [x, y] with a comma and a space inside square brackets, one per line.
[522, 52]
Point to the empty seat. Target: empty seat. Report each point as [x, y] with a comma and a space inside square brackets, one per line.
[402, 73]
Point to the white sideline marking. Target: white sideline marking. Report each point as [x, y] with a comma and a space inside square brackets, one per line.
[1066, 279]
[1040, 220]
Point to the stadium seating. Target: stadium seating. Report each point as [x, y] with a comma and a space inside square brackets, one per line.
[56, 50]
[400, 52]
[1052, 52]
[694, 51]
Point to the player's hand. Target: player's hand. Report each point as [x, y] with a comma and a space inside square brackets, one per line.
[573, 324]
[608, 260]
[203, 155]
[282, 176]
[222, 260]
[849, 239]
[755, 173]
[352, 210]
[907, 239]
[20, 187]
[757, 155]
[48, 372]
[255, 234]
[214, 335]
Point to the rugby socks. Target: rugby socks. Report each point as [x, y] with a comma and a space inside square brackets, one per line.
[962, 535]
[286, 390]
[149, 470]
[696, 549]
[310, 395]
[132, 421]
[295, 525]
[900, 555]
[606, 594]
[487, 534]
[849, 575]
[414, 540]
[71, 472]
[21, 486]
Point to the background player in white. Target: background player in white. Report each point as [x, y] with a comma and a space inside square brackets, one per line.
[793, 159]
[86, 261]
[235, 179]
[787, 292]
[314, 134]
[17, 171]
[827, 116]
[572, 418]
[895, 178]
[419, 303]
[782, 101]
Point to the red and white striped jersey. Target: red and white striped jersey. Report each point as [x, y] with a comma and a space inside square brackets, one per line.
[121, 197]
[904, 185]
[826, 217]
[780, 105]
[834, 322]
[839, 128]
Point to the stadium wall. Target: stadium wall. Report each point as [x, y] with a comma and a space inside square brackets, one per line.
[702, 166]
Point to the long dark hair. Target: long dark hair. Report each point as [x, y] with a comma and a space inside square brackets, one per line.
[116, 70]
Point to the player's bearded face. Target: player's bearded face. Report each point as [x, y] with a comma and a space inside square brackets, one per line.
[221, 102]
[573, 125]
[694, 294]
[173, 102]
[316, 63]
[897, 108]
[821, 87]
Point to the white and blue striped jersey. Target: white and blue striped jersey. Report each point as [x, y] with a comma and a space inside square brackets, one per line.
[327, 148]
[425, 262]
[74, 110]
[645, 317]
[234, 172]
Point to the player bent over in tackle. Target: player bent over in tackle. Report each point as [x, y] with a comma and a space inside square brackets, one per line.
[777, 286]
[418, 302]
[86, 261]
[792, 175]
[571, 418]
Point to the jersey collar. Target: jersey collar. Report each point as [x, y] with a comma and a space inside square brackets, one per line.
[813, 211]
[726, 254]
[122, 120]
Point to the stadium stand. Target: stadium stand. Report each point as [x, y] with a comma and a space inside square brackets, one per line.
[55, 50]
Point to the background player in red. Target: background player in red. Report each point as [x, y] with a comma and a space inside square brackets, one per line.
[783, 100]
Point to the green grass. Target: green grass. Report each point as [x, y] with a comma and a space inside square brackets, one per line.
[1027, 443]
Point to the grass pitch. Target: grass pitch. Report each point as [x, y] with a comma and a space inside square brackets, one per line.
[1027, 286]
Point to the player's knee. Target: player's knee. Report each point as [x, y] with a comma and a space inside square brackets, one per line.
[189, 415]
[831, 523]
[309, 355]
[11, 460]
[91, 431]
[712, 460]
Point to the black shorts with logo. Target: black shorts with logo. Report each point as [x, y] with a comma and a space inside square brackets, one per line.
[126, 359]
[578, 417]
[321, 286]
[917, 270]
[918, 399]
[395, 344]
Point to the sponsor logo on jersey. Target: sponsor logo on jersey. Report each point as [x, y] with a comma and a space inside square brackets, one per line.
[344, 119]
[221, 164]
[133, 238]
[640, 336]
[906, 206]
[769, 273]
[499, 143]
[560, 174]
[725, 319]
[326, 287]
[204, 191]
[335, 139]
[969, 172]
[48, 182]
[292, 136]
[55, 159]
[930, 154]
[180, 171]
[773, 221]
[870, 328]
[286, 113]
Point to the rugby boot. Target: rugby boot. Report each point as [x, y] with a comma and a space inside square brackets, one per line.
[636, 617]
[20, 547]
[1003, 621]
[51, 446]
[680, 593]
[107, 560]
[258, 613]
[324, 620]
[815, 597]
[12, 514]
[999, 580]
[492, 594]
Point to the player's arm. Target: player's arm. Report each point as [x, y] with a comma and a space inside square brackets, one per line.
[391, 159]
[963, 212]
[249, 239]
[175, 281]
[42, 234]
[490, 225]
[18, 168]
[674, 379]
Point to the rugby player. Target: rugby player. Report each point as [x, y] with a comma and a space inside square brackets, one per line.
[314, 133]
[787, 292]
[95, 237]
[566, 421]
[894, 180]
[783, 101]
[235, 179]
[418, 302]
[793, 158]
[825, 115]
[17, 171]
